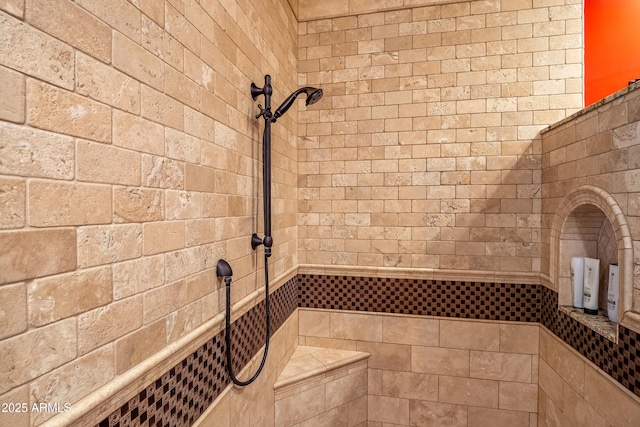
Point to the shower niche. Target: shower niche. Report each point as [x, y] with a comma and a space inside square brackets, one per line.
[589, 223]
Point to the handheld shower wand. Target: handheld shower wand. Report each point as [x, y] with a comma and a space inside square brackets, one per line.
[223, 269]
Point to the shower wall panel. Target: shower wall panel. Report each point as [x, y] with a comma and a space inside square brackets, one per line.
[426, 153]
[129, 163]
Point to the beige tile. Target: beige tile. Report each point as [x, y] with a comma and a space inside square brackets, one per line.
[17, 418]
[358, 411]
[74, 380]
[395, 357]
[137, 133]
[217, 412]
[483, 417]
[551, 383]
[73, 114]
[440, 361]
[27, 356]
[98, 245]
[408, 385]
[470, 335]
[433, 414]
[389, 410]
[468, 391]
[609, 400]
[518, 396]
[554, 416]
[519, 338]
[58, 297]
[12, 96]
[36, 253]
[163, 237]
[139, 345]
[132, 204]
[35, 153]
[159, 302]
[300, 407]
[566, 363]
[99, 81]
[53, 62]
[410, 330]
[53, 203]
[578, 411]
[299, 365]
[103, 325]
[314, 323]
[73, 25]
[500, 366]
[362, 327]
[346, 389]
[338, 416]
[13, 317]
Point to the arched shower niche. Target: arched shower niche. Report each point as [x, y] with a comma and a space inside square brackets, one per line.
[589, 222]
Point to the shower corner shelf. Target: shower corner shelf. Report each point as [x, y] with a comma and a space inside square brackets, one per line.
[600, 323]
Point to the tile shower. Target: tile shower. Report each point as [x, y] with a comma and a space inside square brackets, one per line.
[419, 211]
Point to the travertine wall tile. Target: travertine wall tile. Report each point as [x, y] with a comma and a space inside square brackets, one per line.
[36, 253]
[73, 25]
[63, 112]
[31, 152]
[12, 96]
[12, 203]
[103, 325]
[52, 62]
[137, 346]
[13, 319]
[479, 76]
[43, 349]
[49, 299]
[129, 155]
[73, 380]
[55, 204]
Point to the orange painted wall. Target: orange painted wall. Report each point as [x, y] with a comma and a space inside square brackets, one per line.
[612, 46]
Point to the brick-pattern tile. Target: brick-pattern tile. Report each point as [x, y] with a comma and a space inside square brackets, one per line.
[183, 393]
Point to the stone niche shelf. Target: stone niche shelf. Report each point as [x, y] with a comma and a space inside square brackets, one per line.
[598, 322]
[588, 232]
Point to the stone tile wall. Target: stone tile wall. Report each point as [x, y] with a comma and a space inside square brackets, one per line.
[429, 371]
[129, 163]
[426, 151]
[597, 149]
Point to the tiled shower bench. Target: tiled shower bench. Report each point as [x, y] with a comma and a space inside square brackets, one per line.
[323, 386]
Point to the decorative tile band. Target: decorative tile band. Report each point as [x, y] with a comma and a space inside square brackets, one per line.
[476, 300]
[182, 394]
[621, 361]
[468, 300]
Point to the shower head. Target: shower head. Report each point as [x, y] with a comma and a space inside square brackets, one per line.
[313, 96]
[223, 269]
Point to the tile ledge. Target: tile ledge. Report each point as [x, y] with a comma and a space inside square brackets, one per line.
[423, 273]
[599, 322]
[346, 358]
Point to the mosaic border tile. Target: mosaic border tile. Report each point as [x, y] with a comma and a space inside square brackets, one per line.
[621, 361]
[181, 395]
[469, 300]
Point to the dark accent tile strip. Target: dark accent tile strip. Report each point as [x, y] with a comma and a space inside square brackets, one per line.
[180, 396]
[621, 361]
[469, 300]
